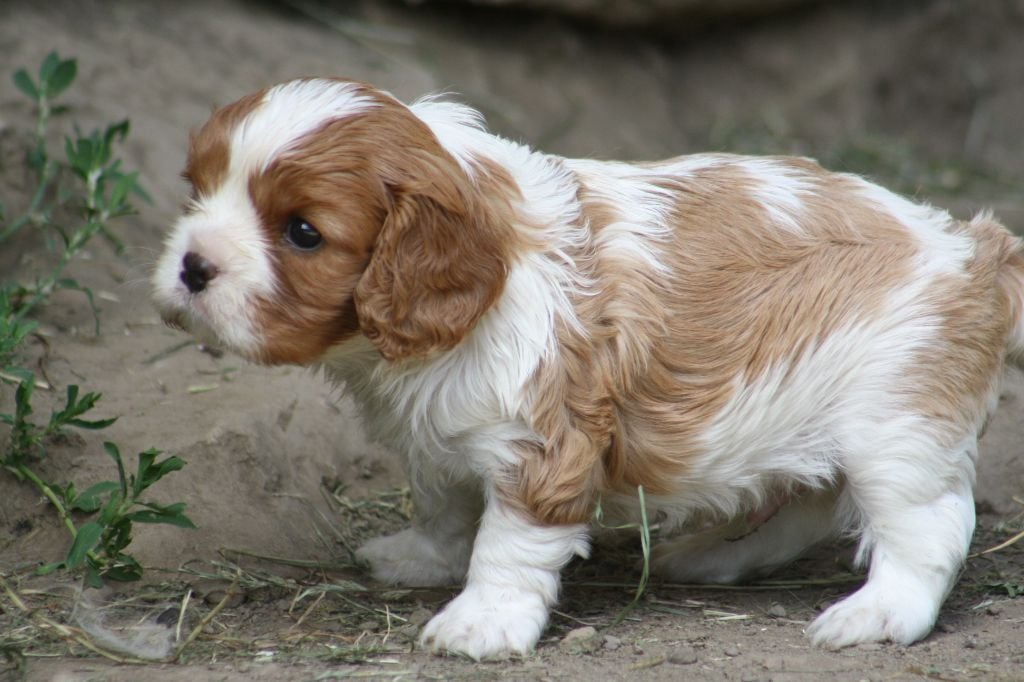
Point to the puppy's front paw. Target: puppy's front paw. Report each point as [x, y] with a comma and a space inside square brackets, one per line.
[414, 558]
[487, 622]
[875, 615]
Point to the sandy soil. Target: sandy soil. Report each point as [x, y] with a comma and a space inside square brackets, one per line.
[926, 97]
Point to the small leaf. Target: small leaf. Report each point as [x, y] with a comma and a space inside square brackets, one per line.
[74, 408]
[171, 518]
[119, 130]
[119, 536]
[126, 569]
[143, 477]
[87, 538]
[67, 493]
[111, 509]
[24, 82]
[124, 184]
[49, 65]
[112, 450]
[81, 155]
[149, 473]
[181, 521]
[154, 513]
[92, 575]
[165, 467]
[89, 500]
[92, 425]
[62, 77]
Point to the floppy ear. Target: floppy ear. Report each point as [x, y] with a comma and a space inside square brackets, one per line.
[440, 261]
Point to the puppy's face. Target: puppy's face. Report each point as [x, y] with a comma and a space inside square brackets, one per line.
[322, 209]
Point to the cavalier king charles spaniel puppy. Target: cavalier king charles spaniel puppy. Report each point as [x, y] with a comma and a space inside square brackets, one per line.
[765, 353]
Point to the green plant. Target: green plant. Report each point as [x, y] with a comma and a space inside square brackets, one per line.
[644, 528]
[75, 213]
[99, 544]
[26, 439]
[102, 192]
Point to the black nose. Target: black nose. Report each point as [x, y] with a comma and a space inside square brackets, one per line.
[196, 272]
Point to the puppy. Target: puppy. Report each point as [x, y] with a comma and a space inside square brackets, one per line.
[765, 349]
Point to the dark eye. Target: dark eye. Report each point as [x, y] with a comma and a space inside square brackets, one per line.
[302, 235]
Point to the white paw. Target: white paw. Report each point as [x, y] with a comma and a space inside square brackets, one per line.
[487, 622]
[415, 559]
[875, 615]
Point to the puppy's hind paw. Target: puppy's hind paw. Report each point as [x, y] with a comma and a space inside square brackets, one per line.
[413, 558]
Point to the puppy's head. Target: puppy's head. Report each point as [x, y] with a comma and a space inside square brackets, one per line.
[323, 209]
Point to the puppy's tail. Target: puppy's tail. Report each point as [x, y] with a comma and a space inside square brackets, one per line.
[997, 246]
[1011, 278]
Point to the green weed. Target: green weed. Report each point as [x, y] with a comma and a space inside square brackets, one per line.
[644, 528]
[69, 215]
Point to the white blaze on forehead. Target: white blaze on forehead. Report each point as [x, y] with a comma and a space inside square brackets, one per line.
[288, 113]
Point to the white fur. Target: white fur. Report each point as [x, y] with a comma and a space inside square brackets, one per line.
[221, 227]
[643, 222]
[456, 416]
[288, 113]
[943, 251]
[512, 583]
[780, 190]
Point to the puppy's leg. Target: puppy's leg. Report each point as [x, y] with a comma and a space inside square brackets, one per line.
[436, 549]
[512, 582]
[732, 552]
[917, 516]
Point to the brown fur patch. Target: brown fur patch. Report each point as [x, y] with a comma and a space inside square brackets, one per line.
[979, 309]
[329, 181]
[625, 404]
[443, 254]
[413, 254]
[209, 154]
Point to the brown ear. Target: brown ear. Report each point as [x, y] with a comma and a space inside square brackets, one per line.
[439, 263]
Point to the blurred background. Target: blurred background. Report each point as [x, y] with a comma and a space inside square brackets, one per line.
[926, 95]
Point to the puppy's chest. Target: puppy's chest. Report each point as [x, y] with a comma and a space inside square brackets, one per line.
[433, 420]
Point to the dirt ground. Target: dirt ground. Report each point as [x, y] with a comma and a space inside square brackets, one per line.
[924, 96]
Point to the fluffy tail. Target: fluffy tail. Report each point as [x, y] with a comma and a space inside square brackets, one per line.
[1011, 279]
[1008, 252]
